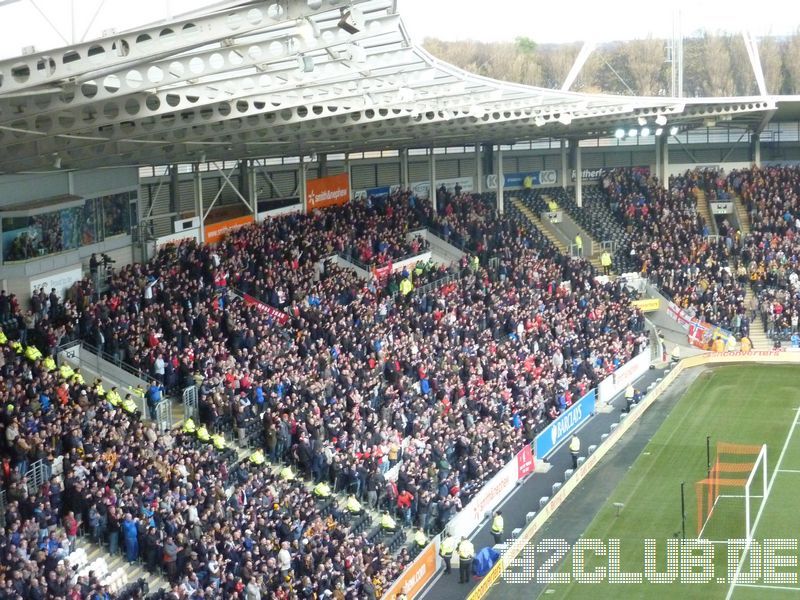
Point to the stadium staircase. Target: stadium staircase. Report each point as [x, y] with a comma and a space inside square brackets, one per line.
[741, 213]
[534, 219]
[704, 211]
[758, 336]
[122, 572]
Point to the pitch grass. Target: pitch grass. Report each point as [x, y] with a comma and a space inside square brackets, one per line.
[752, 404]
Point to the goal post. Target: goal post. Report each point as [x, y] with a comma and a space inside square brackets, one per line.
[729, 498]
[755, 490]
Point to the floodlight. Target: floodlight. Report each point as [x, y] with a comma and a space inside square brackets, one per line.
[540, 121]
[673, 130]
[305, 63]
[659, 131]
[619, 134]
[645, 132]
[642, 121]
[633, 132]
[661, 120]
[565, 118]
[352, 21]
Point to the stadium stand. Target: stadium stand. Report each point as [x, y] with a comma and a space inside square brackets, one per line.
[442, 387]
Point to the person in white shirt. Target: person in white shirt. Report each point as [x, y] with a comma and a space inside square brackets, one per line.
[284, 560]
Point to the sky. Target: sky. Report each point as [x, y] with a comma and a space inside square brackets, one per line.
[49, 24]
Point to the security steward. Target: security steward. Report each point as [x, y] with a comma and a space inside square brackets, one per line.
[605, 262]
[497, 527]
[629, 395]
[446, 551]
[574, 450]
[420, 539]
[466, 552]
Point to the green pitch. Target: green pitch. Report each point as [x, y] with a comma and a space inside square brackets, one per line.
[751, 404]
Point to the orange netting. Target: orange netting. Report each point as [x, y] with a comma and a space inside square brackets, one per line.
[708, 490]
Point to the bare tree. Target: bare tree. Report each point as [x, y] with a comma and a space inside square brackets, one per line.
[770, 54]
[791, 62]
[743, 77]
[644, 60]
[718, 69]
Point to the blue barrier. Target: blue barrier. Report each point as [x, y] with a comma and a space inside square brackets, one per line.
[555, 433]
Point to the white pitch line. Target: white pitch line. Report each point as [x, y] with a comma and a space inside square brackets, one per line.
[789, 470]
[764, 503]
[769, 587]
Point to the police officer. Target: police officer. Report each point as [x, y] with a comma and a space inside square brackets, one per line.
[466, 552]
[497, 527]
[446, 551]
[579, 245]
[574, 450]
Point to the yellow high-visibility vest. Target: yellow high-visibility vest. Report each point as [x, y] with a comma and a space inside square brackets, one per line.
[202, 434]
[32, 353]
[574, 444]
[49, 364]
[66, 371]
[287, 474]
[3, 338]
[218, 441]
[420, 539]
[353, 505]
[387, 522]
[497, 524]
[129, 406]
[466, 550]
[257, 457]
[322, 490]
[114, 398]
[447, 547]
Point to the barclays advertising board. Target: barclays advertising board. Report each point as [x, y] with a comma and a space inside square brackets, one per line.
[560, 429]
[517, 180]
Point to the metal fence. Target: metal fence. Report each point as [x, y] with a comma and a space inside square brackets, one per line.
[190, 408]
[36, 475]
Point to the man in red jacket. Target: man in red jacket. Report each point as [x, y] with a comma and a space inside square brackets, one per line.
[404, 500]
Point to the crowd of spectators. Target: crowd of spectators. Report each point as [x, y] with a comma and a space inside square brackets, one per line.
[409, 401]
[772, 198]
[671, 244]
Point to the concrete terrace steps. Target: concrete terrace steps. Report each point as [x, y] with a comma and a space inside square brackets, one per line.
[758, 336]
[705, 212]
[741, 213]
[133, 571]
[537, 222]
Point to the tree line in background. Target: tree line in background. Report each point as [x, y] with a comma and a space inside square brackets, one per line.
[713, 64]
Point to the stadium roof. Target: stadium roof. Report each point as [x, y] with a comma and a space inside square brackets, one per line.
[284, 78]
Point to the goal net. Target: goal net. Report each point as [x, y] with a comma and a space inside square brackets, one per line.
[729, 499]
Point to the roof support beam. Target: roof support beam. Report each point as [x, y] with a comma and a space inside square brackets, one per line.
[140, 46]
[169, 78]
[580, 60]
[751, 45]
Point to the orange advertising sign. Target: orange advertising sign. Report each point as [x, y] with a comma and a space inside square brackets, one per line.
[217, 231]
[327, 191]
[416, 576]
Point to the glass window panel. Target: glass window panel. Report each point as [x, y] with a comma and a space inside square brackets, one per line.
[116, 214]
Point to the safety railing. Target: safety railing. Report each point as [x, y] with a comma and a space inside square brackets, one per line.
[36, 475]
[190, 406]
